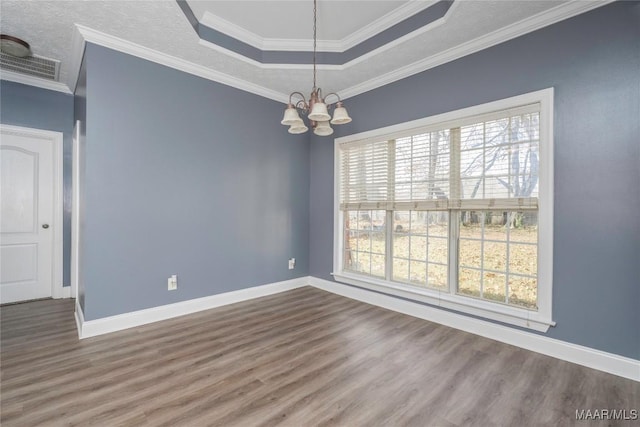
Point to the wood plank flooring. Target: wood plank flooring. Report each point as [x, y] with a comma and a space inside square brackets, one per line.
[301, 358]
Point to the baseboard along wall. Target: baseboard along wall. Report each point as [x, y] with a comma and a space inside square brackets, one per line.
[585, 356]
[105, 325]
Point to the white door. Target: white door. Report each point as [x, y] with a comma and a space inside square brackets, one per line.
[26, 217]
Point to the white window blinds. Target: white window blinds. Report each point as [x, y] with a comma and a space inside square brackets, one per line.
[481, 162]
[365, 175]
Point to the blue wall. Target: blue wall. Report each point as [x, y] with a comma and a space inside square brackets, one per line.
[28, 106]
[185, 176]
[593, 62]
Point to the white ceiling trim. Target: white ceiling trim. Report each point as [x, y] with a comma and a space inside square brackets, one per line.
[26, 79]
[302, 45]
[252, 39]
[430, 26]
[230, 53]
[334, 67]
[525, 26]
[386, 21]
[262, 66]
[124, 46]
[75, 62]
[82, 34]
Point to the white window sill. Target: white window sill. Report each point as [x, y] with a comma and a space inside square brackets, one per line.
[501, 313]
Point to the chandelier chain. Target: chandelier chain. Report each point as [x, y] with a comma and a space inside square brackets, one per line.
[316, 110]
[314, 42]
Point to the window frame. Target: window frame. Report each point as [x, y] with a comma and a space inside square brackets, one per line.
[539, 320]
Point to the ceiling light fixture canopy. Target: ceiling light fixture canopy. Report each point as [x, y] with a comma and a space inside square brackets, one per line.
[316, 109]
[14, 46]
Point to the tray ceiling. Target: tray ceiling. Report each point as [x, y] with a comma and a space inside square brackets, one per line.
[292, 19]
[160, 31]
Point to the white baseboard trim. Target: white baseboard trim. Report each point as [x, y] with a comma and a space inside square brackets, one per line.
[92, 328]
[79, 318]
[585, 356]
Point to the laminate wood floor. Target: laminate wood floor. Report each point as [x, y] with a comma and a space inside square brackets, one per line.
[301, 358]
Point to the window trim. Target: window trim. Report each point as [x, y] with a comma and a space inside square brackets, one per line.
[539, 320]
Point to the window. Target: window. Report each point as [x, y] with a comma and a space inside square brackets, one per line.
[454, 210]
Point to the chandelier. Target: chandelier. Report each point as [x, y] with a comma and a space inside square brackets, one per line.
[317, 110]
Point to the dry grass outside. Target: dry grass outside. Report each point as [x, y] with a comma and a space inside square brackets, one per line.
[507, 255]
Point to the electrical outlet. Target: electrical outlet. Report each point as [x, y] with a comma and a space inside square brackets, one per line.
[292, 263]
[172, 283]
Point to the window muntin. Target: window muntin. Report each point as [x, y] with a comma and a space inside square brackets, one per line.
[420, 248]
[495, 160]
[365, 242]
[497, 256]
[500, 158]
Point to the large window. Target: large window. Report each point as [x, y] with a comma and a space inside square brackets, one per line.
[455, 210]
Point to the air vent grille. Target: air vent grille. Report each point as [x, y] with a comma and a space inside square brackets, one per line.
[36, 66]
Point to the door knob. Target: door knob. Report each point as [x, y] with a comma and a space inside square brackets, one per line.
[45, 225]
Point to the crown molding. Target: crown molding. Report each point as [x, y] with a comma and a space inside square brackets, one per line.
[386, 21]
[239, 33]
[543, 19]
[520, 28]
[75, 62]
[229, 28]
[262, 66]
[230, 53]
[84, 34]
[26, 79]
[332, 67]
[302, 45]
[397, 42]
[387, 46]
[133, 49]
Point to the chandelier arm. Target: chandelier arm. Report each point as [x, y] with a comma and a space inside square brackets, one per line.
[334, 94]
[316, 98]
[300, 95]
[302, 105]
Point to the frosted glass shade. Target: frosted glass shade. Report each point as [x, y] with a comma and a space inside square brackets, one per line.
[297, 128]
[291, 117]
[340, 116]
[319, 112]
[323, 129]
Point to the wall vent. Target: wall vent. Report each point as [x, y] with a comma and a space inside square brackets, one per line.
[36, 66]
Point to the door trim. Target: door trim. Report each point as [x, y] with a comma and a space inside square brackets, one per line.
[56, 139]
[75, 210]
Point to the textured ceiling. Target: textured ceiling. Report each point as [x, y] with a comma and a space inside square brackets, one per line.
[293, 19]
[161, 26]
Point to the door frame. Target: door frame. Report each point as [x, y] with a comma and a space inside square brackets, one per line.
[56, 140]
[75, 211]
